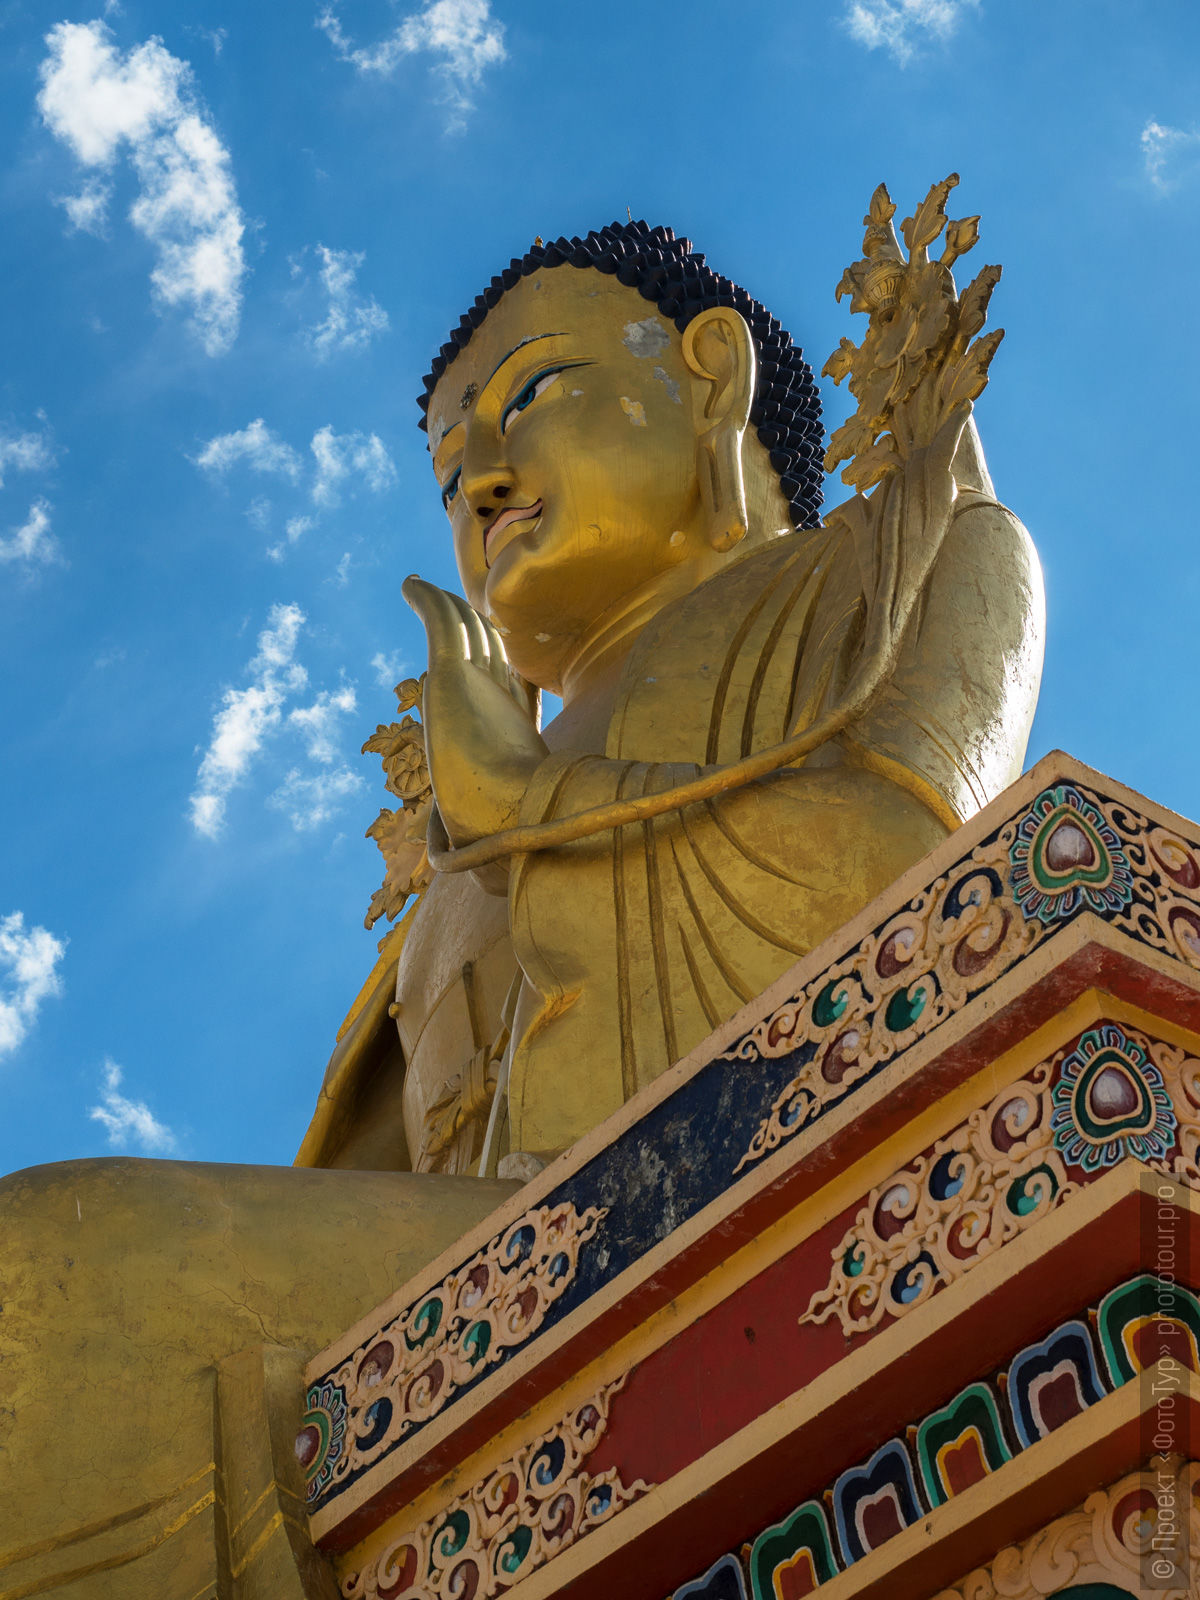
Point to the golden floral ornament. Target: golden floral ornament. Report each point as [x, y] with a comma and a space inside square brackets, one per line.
[1152, 1516]
[917, 363]
[401, 834]
[537, 1503]
[408, 1370]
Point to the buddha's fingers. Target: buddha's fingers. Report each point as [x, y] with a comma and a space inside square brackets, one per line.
[479, 651]
[501, 671]
[444, 628]
[486, 649]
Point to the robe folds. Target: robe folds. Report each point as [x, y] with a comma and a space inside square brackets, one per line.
[624, 950]
[636, 943]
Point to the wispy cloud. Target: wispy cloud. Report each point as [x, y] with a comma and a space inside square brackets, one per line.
[103, 105]
[29, 959]
[215, 37]
[294, 530]
[87, 211]
[340, 456]
[256, 445]
[351, 320]
[318, 723]
[336, 457]
[31, 543]
[257, 711]
[340, 462]
[129, 1122]
[23, 452]
[462, 36]
[1171, 155]
[309, 801]
[902, 26]
[387, 669]
[247, 716]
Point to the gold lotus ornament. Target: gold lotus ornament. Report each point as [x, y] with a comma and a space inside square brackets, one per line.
[400, 834]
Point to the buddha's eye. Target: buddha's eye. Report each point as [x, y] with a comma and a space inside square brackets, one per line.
[528, 395]
[450, 487]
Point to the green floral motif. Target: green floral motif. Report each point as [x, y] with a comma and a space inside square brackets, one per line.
[1067, 857]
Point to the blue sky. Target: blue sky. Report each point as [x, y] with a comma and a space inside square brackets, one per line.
[232, 236]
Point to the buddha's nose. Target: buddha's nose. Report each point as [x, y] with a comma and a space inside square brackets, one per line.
[497, 492]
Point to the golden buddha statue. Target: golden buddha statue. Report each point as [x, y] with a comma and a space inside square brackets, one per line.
[765, 720]
[626, 445]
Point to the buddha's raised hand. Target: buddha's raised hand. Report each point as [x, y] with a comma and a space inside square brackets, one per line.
[481, 738]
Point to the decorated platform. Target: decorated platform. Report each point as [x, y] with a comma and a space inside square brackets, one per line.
[891, 1287]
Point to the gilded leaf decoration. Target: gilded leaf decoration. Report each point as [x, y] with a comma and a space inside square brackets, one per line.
[400, 834]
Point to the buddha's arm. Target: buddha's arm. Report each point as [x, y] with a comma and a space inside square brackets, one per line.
[970, 469]
[953, 721]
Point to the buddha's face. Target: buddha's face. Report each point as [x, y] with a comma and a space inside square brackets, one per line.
[564, 441]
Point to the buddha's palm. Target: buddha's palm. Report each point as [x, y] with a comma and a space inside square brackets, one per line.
[481, 731]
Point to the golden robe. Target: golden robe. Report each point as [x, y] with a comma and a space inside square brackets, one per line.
[631, 946]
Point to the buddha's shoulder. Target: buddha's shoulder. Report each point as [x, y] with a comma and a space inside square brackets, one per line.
[782, 565]
[714, 673]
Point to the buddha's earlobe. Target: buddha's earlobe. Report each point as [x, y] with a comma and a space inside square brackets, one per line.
[719, 352]
[723, 487]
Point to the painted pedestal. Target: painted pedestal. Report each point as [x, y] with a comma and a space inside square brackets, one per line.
[888, 1289]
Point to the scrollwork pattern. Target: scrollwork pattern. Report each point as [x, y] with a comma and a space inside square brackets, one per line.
[1069, 852]
[535, 1504]
[979, 1187]
[1113, 1093]
[413, 1365]
[1110, 1540]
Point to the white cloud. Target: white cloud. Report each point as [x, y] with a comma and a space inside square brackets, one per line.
[32, 541]
[341, 575]
[29, 959]
[899, 26]
[462, 36]
[258, 446]
[311, 801]
[337, 459]
[23, 452]
[250, 715]
[87, 211]
[319, 722]
[351, 321]
[215, 37]
[388, 669]
[247, 716]
[1170, 154]
[258, 513]
[129, 1121]
[102, 105]
[339, 455]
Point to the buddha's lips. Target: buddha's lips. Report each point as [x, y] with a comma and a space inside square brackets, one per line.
[507, 517]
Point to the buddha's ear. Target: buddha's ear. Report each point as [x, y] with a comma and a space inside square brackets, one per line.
[719, 352]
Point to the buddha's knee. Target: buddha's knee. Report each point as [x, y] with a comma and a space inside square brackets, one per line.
[75, 1211]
